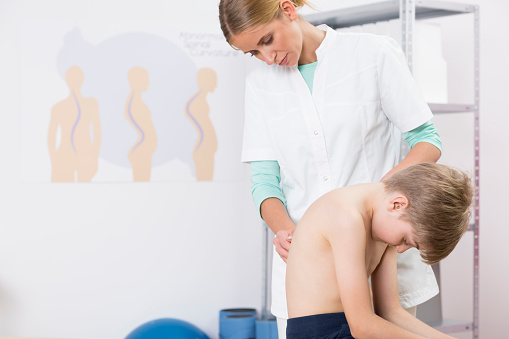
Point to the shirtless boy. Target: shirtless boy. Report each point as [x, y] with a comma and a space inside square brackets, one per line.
[353, 233]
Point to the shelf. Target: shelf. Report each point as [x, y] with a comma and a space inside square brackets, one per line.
[452, 108]
[451, 326]
[384, 11]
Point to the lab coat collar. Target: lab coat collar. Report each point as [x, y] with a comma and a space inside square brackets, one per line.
[327, 41]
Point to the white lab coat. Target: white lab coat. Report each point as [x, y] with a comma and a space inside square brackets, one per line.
[347, 132]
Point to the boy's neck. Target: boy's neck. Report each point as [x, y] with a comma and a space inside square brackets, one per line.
[374, 201]
[375, 195]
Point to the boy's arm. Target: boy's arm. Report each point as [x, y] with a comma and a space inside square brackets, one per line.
[384, 283]
[348, 243]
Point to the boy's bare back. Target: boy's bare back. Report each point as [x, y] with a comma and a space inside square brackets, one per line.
[311, 266]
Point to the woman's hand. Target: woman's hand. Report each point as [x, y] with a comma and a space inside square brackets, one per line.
[282, 241]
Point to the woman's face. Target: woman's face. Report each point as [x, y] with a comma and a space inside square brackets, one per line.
[277, 42]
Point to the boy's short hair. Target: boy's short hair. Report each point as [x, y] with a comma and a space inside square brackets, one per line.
[439, 199]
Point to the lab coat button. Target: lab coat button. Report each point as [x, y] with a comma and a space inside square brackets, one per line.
[316, 132]
[325, 178]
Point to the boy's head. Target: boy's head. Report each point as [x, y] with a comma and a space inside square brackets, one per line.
[439, 199]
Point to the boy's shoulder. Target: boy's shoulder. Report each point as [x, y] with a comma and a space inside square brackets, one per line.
[339, 209]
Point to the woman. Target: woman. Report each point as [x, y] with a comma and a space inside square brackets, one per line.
[325, 111]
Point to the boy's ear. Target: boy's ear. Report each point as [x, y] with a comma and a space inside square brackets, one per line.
[288, 9]
[398, 203]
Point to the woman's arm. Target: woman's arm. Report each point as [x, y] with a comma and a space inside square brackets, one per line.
[425, 146]
[268, 197]
[422, 152]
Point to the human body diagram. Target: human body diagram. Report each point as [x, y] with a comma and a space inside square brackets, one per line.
[198, 113]
[139, 116]
[75, 156]
[74, 134]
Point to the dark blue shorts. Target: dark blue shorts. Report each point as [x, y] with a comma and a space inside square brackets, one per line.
[320, 326]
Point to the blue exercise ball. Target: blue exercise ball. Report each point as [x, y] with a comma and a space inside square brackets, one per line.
[167, 328]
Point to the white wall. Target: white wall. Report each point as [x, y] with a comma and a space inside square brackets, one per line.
[97, 260]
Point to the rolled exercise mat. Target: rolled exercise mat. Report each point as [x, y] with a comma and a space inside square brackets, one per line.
[237, 327]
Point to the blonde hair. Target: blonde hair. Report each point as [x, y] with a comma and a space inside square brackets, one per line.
[439, 199]
[236, 16]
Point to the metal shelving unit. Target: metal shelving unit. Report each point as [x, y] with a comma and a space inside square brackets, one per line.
[388, 10]
[407, 11]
